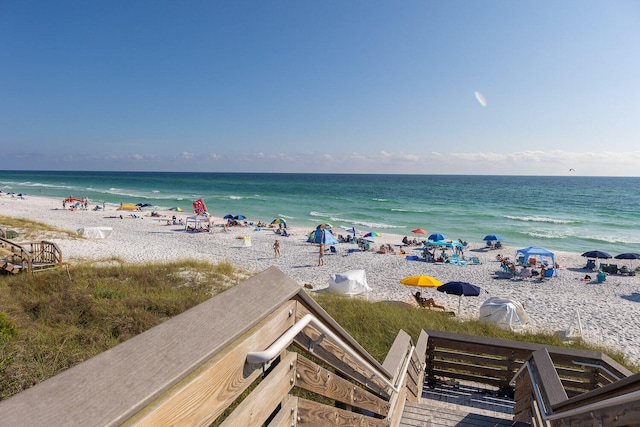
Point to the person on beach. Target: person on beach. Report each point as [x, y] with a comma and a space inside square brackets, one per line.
[276, 248]
[426, 302]
[321, 255]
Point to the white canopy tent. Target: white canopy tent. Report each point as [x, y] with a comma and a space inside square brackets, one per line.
[506, 313]
[197, 221]
[95, 232]
[352, 282]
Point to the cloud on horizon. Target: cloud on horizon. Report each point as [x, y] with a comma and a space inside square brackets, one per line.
[528, 162]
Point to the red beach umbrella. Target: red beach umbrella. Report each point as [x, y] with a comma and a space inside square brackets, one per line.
[419, 231]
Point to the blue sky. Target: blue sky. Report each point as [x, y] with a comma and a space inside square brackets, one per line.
[323, 86]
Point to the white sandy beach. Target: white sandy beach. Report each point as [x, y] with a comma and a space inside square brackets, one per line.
[608, 311]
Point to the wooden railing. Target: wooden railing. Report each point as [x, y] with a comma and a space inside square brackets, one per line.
[221, 363]
[551, 385]
[193, 370]
[495, 361]
[30, 256]
[542, 401]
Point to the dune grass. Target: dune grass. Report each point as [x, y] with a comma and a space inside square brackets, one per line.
[374, 325]
[23, 229]
[56, 319]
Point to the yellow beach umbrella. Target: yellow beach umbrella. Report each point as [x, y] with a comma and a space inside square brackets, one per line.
[421, 281]
[128, 207]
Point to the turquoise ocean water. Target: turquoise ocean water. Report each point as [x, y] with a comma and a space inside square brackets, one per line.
[573, 214]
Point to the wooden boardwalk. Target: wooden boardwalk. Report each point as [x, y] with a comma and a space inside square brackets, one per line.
[459, 404]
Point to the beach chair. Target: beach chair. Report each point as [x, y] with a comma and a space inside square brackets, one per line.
[456, 260]
[474, 260]
[426, 302]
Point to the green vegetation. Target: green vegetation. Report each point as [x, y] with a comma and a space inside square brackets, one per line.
[375, 326]
[56, 319]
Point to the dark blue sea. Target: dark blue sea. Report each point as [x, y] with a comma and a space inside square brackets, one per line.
[572, 214]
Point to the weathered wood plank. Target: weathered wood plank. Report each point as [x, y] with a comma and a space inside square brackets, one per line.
[258, 406]
[616, 415]
[477, 358]
[333, 355]
[206, 393]
[287, 415]
[547, 378]
[497, 382]
[111, 387]
[396, 356]
[318, 380]
[622, 387]
[327, 320]
[315, 414]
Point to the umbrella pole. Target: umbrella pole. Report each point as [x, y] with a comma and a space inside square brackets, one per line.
[459, 301]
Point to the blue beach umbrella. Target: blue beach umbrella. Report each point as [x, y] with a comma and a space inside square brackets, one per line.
[460, 289]
[629, 256]
[490, 237]
[239, 217]
[596, 254]
[437, 236]
[228, 216]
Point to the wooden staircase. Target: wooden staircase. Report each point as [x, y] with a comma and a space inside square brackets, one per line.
[29, 256]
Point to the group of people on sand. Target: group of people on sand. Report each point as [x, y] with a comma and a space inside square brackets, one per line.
[412, 242]
[526, 271]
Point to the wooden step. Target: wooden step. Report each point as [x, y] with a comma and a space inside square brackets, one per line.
[11, 268]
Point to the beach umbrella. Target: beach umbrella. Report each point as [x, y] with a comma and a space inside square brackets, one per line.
[279, 221]
[597, 254]
[128, 207]
[421, 281]
[324, 225]
[373, 234]
[490, 237]
[144, 205]
[177, 209]
[461, 289]
[419, 231]
[239, 217]
[628, 255]
[436, 236]
[353, 230]
[228, 216]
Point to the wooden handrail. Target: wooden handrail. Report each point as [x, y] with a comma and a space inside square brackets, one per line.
[191, 369]
[43, 252]
[496, 361]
